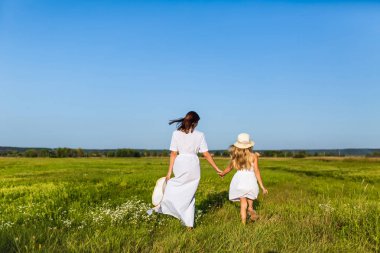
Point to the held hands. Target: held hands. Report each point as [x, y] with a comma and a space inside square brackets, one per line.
[223, 173]
[219, 172]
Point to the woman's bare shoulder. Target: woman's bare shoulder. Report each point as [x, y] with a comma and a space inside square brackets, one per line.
[197, 132]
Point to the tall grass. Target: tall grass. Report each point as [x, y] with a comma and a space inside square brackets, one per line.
[77, 205]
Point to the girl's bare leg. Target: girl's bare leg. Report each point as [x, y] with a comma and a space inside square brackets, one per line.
[251, 211]
[243, 210]
[250, 204]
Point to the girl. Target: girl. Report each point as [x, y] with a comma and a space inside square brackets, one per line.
[179, 195]
[244, 186]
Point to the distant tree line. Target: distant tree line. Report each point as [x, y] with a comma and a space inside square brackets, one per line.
[69, 152]
[374, 154]
[78, 152]
[298, 154]
[284, 153]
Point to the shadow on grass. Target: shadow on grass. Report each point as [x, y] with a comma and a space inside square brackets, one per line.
[312, 173]
[210, 203]
[213, 201]
[217, 200]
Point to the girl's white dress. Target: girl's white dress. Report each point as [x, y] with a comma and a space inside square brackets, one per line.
[244, 185]
[179, 196]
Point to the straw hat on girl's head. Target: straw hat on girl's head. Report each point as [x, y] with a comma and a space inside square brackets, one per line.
[244, 141]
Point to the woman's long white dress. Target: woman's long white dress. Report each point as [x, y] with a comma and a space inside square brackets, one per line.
[179, 196]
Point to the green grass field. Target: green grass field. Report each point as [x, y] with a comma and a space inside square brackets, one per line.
[85, 205]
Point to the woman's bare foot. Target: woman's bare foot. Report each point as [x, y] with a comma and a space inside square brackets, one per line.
[253, 214]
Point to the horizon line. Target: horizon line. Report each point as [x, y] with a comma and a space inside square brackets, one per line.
[154, 149]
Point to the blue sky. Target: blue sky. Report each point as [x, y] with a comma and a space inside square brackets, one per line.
[110, 74]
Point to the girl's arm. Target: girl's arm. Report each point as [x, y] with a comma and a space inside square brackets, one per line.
[211, 162]
[226, 171]
[257, 173]
[173, 155]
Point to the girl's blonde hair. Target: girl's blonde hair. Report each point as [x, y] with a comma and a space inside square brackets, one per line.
[241, 158]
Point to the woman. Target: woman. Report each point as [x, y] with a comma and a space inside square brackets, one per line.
[179, 196]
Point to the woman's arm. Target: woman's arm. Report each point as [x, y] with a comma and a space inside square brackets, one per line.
[211, 162]
[257, 173]
[173, 155]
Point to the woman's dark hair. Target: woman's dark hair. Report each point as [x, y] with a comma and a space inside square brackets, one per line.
[188, 123]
